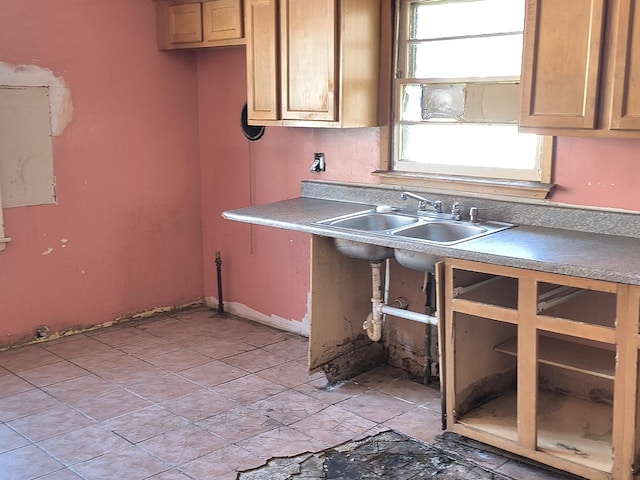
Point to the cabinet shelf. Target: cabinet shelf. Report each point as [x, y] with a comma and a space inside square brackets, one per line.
[568, 427]
[572, 356]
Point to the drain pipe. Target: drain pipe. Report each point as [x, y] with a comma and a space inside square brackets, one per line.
[398, 308]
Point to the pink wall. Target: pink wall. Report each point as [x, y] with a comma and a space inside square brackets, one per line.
[127, 171]
[155, 153]
[263, 268]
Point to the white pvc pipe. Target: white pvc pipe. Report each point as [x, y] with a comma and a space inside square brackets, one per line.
[409, 315]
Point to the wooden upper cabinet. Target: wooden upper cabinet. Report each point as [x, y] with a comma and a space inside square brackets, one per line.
[313, 62]
[308, 55]
[625, 104]
[561, 63]
[189, 24]
[263, 79]
[581, 68]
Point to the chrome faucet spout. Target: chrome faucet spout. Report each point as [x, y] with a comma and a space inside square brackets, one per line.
[423, 202]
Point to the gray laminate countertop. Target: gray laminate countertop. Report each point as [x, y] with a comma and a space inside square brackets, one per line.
[583, 254]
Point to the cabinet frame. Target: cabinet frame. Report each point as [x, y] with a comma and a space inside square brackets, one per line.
[623, 336]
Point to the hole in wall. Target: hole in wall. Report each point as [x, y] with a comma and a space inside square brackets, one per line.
[251, 132]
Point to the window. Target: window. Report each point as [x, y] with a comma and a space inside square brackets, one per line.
[456, 96]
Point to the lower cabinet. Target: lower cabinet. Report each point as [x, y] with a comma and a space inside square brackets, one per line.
[544, 366]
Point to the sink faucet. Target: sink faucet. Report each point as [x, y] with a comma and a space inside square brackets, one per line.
[423, 202]
[437, 207]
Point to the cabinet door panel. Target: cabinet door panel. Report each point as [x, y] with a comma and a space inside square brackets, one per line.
[222, 19]
[625, 111]
[562, 61]
[262, 60]
[185, 23]
[309, 73]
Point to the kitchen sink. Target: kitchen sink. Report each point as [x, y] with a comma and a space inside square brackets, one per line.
[371, 221]
[418, 229]
[442, 232]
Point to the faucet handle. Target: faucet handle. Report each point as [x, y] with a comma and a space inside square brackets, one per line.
[473, 214]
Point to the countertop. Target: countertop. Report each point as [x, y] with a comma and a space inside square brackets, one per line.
[599, 256]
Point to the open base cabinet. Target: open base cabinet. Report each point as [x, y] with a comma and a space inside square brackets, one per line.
[544, 366]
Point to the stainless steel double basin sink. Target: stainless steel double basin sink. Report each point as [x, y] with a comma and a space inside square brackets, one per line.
[404, 226]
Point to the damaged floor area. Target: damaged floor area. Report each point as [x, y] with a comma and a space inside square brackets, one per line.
[385, 455]
[388, 455]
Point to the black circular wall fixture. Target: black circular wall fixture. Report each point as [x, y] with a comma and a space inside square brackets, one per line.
[252, 132]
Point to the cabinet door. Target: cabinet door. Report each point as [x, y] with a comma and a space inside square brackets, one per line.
[222, 19]
[561, 63]
[308, 53]
[185, 23]
[263, 100]
[625, 110]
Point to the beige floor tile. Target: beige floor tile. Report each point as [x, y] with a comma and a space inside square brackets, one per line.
[248, 389]
[288, 407]
[291, 348]
[72, 349]
[239, 423]
[103, 361]
[379, 377]
[146, 423]
[290, 374]
[11, 384]
[376, 406]
[222, 464]
[138, 371]
[25, 403]
[282, 442]
[129, 463]
[52, 373]
[199, 405]
[173, 474]
[117, 337]
[332, 394]
[82, 444]
[10, 440]
[111, 404]
[179, 360]
[212, 373]
[183, 444]
[26, 463]
[222, 348]
[162, 388]
[79, 388]
[55, 421]
[410, 391]
[65, 474]
[24, 358]
[334, 425]
[151, 347]
[255, 360]
[419, 423]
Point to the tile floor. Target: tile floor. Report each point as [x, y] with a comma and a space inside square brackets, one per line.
[191, 395]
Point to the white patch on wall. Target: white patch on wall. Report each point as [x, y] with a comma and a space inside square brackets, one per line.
[234, 308]
[35, 106]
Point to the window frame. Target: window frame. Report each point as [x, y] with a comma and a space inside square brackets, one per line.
[445, 181]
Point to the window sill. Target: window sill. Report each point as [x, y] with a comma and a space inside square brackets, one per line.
[484, 186]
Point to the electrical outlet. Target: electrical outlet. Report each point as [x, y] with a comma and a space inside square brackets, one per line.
[319, 164]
